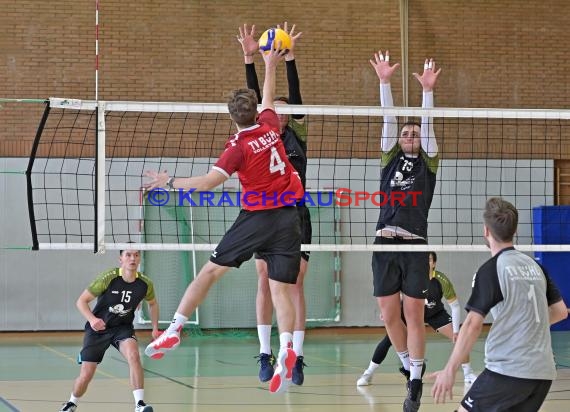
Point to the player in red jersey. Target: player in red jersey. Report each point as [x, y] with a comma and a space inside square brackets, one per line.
[267, 225]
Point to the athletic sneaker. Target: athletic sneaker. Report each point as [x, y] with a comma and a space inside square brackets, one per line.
[298, 375]
[266, 363]
[406, 373]
[470, 378]
[167, 341]
[412, 401]
[68, 407]
[367, 395]
[143, 407]
[284, 371]
[365, 379]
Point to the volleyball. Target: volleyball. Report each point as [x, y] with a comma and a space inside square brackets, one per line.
[273, 37]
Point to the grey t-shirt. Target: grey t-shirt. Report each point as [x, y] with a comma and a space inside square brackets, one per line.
[517, 291]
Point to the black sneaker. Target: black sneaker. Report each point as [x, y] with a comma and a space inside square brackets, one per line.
[412, 401]
[298, 375]
[68, 407]
[406, 373]
[266, 363]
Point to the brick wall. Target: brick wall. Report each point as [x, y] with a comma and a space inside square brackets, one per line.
[510, 53]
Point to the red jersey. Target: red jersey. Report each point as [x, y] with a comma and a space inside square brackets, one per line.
[258, 156]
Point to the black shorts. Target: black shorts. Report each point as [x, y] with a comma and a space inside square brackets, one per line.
[274, 235]
[95, 344]
[407, 272]
[438, 320]
[306, 228]
[493, 392]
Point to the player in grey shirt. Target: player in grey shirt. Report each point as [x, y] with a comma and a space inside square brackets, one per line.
[523, 302]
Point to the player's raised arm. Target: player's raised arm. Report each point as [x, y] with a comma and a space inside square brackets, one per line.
[428, 79]
[381, 64]
[249, 47]
[271, 58]
[292, 74]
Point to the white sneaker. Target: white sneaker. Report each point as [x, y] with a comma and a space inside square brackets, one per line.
[470, 378]
[167, 341]
[281, 379]
[365, 379]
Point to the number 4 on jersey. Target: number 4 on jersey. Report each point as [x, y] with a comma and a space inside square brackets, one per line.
[275, 162]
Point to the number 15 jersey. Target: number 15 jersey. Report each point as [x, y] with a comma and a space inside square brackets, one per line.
[257, 154]
[117, 300]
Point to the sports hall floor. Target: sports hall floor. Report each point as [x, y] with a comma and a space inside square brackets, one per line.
[215, 374]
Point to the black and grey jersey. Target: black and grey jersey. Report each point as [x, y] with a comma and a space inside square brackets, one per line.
[517, 291]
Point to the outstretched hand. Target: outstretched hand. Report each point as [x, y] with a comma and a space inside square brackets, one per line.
[157, 179]
[429, 76]
[381, 64]
[294, 36]
[274, 55]
[444, 380]
[248, 43]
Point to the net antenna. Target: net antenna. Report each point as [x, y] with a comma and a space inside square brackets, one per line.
[404, 26]
[96, 50]
[99, 241]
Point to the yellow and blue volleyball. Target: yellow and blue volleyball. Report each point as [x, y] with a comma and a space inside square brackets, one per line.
[271, 38]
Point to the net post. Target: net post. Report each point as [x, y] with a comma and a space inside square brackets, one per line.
[99, 233]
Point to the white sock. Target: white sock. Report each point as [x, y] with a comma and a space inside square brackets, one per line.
[264, 335]
[416, 368]
[466, 368]
[178, 322]
[298, 339]
[372, 367]
[139, 395]
[285, 340]
[74, 399]
[405, 358]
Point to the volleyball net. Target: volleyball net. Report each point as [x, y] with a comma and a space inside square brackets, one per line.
[88, 159]
[87, 164]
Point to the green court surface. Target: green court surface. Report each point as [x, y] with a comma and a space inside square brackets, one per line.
[219, 373]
